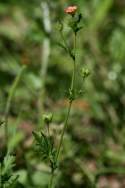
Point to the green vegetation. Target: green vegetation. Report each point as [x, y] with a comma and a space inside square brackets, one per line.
[35, 75]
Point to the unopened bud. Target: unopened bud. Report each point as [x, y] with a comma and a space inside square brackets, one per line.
[48, 118]
[85, 72]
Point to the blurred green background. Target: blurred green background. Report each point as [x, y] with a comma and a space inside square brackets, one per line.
[94, 145]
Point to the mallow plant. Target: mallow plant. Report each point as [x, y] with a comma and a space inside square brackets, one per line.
[46, 148]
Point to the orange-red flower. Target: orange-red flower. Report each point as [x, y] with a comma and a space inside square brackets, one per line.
[70, 9]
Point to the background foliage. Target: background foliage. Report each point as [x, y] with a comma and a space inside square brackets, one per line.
[94, 144]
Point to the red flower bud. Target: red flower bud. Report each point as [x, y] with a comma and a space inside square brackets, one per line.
[70, 9]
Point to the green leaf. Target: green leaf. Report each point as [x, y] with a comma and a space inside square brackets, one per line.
[61, 45]
[8, 164]
[8, 179]
[45, 148]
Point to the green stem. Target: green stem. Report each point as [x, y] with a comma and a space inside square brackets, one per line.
[1, 175]
[63, 131]
[48, 130]
[51, 180]
[70, 102]
[9, 100]
[65, 43]
[68, 112]
[74, 63]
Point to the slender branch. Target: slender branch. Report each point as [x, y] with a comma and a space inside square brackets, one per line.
[70, 102]
[74, 62]
[68, 112]
[63, 131]
[65, 43]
